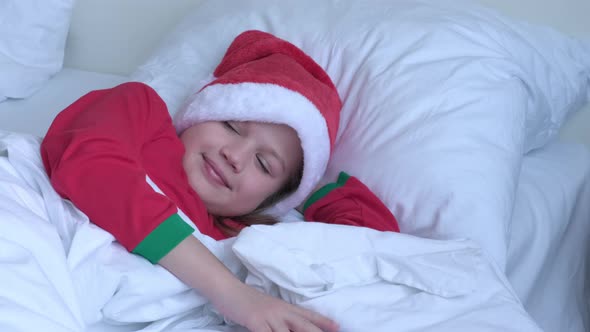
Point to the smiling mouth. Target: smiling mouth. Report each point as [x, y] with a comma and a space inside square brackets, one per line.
[214, 174]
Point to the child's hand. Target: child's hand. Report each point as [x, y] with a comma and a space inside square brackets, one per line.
[196, 266]
[262, 313]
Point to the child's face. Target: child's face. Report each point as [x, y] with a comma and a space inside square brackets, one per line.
[234, 166]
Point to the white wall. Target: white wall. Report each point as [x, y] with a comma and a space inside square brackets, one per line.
[114, 36]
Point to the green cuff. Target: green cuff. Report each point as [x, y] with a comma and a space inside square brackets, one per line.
[163, 239]
[325, 190]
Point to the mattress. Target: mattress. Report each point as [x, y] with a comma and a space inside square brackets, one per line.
[34, 115]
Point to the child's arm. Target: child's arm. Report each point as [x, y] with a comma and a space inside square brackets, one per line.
[93, 154]
[349, 202]
[194, 264]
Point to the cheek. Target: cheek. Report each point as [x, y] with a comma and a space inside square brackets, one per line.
[190, 163]
[256, 188]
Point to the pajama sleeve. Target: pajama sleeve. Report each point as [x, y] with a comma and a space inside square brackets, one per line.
[93, 156]
[349, 202]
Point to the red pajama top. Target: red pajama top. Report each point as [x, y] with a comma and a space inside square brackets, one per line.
[100, 150]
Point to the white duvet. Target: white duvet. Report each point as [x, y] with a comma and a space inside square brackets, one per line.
[60, 273]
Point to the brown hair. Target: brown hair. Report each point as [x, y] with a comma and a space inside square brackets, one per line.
[258, 217]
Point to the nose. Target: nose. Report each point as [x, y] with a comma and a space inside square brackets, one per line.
[237, 154]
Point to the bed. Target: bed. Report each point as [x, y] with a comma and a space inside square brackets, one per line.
[509, 129]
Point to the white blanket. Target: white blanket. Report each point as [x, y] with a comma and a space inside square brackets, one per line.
[61, 273]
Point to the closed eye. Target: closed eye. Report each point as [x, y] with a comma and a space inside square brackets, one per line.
[262, 164]
[230, 126]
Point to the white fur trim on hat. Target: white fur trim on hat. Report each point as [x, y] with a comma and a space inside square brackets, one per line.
[265, 102]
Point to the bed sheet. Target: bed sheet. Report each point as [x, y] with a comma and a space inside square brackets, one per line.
[34, 115]
[547, 256]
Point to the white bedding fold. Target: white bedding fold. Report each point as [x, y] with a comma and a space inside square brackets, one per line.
[376, 281]
[65, 273]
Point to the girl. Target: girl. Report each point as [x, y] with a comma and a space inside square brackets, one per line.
[249, 146]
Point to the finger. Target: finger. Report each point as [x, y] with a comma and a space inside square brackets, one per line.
[279, 325]
[321, 321]
[281, 328]
[258, 325]
[299, 323]
[262, 328]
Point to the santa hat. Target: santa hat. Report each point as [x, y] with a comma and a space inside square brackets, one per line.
[266, 79]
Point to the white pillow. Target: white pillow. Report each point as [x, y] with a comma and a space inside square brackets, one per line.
[440, 99]
[32, 42]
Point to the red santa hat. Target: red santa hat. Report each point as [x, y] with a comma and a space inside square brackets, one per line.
[264, 78]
